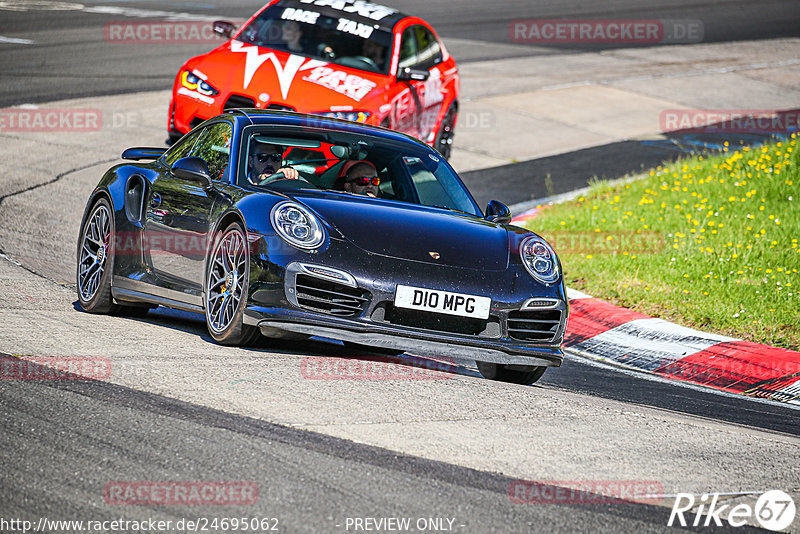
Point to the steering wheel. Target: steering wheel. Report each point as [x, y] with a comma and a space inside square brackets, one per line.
[272, 178]
[368, 60]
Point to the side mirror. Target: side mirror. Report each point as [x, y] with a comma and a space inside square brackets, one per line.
[224, 28]
[194, 170]
[497, 212]
[412, 75]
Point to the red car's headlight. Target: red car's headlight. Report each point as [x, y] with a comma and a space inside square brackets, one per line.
[193, 82]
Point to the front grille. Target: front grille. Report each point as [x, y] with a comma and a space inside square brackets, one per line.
[238, 101]
[438, 322]
[329, 297]
[534, 325]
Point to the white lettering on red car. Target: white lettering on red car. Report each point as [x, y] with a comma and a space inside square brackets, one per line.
[365, 9]
[286, 73]
[349, 85]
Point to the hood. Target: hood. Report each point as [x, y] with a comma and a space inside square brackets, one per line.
[412, 232]
[306, 84]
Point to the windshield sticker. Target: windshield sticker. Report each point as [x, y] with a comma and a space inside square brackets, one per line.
[355, 28]
[365, 9]
[300, 15]
[286, 73]
[349, 85]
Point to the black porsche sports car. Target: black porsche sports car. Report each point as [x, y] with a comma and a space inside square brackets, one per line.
[288, 225]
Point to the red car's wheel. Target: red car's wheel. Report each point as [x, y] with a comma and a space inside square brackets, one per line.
[446, 133]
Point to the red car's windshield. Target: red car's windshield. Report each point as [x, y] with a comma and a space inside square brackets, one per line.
[326, 37]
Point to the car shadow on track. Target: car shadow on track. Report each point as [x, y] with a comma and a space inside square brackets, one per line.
[323, 359]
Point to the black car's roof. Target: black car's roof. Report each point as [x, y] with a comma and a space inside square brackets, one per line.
[336, 8]
[290, 118]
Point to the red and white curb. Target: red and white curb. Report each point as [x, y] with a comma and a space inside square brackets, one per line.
[602, 331]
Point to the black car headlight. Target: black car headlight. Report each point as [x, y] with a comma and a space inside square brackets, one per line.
[297, 225]
[191, 81]
[539, 259]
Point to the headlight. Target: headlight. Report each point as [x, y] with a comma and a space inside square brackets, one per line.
[297, 225]
[191, 81]
[539, 259]
[353, 116]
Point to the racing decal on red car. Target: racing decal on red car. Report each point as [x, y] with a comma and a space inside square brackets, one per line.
[349, 85]
[355, 28]
[286, 73]
[300, 15]
[365, 9]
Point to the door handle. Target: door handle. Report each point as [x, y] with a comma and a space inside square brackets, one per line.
[155, 201]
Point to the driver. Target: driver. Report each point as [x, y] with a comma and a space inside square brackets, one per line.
[374, 51]
[265, 160]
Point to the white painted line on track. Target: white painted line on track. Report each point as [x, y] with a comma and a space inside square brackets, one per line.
[146, 13]
[14, 40]
[34, 5]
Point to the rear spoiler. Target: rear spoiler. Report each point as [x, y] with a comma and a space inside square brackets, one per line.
[143, 152]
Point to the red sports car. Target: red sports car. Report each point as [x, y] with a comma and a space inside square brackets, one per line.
[349, 59]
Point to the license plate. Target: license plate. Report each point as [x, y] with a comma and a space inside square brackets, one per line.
[434, 300]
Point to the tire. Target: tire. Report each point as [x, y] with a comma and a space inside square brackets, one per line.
[446, 133]
[521, 374]
[94, 278]
[96, 260]
[225, 295]
[173, 137]
[383, 351]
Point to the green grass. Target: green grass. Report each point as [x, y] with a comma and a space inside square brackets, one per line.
[707, 242]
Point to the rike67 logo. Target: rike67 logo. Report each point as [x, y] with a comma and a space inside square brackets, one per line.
[774, 510]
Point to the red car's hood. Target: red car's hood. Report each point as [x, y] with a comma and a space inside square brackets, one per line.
[308, 85]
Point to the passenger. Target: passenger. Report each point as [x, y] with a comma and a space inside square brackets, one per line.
[359, 177]
[265, 160]
[292, 34]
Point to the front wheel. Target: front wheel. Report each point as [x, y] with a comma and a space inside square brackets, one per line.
[514, 374]
[227, 280]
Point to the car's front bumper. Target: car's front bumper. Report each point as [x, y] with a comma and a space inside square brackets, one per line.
[270, 320]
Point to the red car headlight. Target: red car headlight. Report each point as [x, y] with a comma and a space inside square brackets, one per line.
[193, 82]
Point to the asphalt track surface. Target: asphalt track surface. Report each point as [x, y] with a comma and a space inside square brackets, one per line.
[70, 58]
[61, 441]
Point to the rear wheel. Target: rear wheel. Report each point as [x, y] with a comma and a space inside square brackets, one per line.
[95, 260]
[446, 133]
[515, 374]
[96, 264]
[227, 280]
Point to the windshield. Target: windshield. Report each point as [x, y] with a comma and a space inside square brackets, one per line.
[353, 164]
[313, 34]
